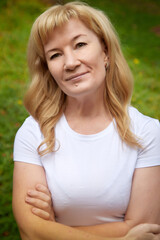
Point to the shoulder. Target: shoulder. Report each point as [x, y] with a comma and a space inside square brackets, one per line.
[142, 124]
[29, 127]
[147, 130]
[26, 142]
[30, 122]
[29, 134]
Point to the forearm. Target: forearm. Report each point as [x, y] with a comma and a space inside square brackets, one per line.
[115, 229]
[47, 230]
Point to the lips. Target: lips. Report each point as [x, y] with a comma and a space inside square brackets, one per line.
[75, 76]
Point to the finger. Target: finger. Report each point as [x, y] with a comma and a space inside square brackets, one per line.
[147, 236]
[42, 188]
[40, 213]
[152, 228]
[37, 203]
[155, 229]
[151, 236]
[157, 237]
[39, 195]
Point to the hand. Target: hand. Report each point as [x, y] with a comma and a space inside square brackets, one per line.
[40, 199]
[144, 232]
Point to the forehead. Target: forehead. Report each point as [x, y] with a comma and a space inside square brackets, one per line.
[68, 31]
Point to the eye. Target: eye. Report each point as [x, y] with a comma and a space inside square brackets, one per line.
[80, 44]
[55, 56]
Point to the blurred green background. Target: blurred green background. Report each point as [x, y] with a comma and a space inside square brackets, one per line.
[138, 25]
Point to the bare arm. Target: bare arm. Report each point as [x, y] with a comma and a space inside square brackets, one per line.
[143, 207]
[137, 201]
[31, 227]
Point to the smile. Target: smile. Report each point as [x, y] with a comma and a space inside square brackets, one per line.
[76, 76]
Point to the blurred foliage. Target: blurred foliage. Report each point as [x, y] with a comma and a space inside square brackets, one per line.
[138, 25]
[16, 18]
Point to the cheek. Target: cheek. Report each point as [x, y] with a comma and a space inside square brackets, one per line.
[99, 65]
[100, 71]
[55, 71]
[98, 57]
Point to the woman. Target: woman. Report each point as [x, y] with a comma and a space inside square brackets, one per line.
[98, 156]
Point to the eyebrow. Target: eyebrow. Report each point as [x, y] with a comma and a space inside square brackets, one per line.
[73, 39]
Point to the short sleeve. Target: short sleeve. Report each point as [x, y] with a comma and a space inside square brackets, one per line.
[26, 142]
[150, 135]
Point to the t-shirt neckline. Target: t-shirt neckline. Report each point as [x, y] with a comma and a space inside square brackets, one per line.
[86, 136]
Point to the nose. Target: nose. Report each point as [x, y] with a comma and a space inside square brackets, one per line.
[71, 60]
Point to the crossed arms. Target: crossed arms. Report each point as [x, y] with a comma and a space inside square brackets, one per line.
[143, 207]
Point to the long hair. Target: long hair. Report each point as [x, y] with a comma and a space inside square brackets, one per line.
[44, 99]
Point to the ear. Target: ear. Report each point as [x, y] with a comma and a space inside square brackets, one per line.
[106, 61]
[105, 50]
[106, 58]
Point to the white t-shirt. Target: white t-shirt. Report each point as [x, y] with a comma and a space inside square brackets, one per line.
[90, 176]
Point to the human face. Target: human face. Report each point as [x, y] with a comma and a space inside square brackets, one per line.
[76, 59]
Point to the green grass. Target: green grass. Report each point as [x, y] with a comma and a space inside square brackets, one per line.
[134, 21]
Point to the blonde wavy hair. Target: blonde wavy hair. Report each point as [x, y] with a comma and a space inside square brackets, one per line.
[44, 99]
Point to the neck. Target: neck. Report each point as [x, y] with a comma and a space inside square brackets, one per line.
[87, 116]
[86, 107]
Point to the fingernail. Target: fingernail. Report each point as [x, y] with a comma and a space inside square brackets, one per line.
[30, 192]
[34, 210]
[38, 186]
[27, 199]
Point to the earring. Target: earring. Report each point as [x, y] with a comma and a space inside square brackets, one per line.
[106, 65]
